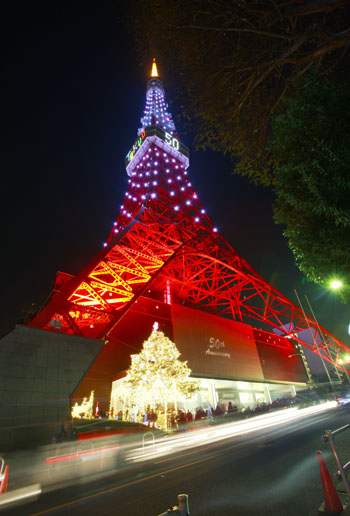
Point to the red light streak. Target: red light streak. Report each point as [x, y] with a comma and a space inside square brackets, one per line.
[79, 455]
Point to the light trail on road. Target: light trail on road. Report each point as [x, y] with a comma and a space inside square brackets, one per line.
[167, 445]
[127, 484]
[97, 461]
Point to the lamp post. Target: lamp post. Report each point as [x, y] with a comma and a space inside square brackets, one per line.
[324, 340]
[315, 338]
[343, 363]
[337, 284]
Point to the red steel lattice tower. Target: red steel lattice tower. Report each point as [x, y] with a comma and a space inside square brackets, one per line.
[164, 244]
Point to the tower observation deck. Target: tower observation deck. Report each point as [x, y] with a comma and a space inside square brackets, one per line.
[164, 246]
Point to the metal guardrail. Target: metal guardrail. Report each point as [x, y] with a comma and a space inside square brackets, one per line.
[341, 473]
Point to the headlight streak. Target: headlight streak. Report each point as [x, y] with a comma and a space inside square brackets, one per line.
[65, 464]
[201, 437]
[19, 495]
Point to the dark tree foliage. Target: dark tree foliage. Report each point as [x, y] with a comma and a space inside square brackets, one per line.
[311, 145]
[235, 60]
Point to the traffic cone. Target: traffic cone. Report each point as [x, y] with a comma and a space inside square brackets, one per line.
[332, 503]
[4, 481]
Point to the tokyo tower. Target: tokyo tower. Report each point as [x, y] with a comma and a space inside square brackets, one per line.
[164, 246]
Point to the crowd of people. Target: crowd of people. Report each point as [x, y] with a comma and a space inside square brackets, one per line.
[177, 418]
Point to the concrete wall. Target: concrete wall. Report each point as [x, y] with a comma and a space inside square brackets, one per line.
[39, 371]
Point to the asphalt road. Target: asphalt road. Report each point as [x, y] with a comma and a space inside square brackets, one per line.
[273, 471]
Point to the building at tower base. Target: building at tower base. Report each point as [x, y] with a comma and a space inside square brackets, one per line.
[39, 371]
[233, 361]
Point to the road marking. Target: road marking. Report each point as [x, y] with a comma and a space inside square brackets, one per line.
[121, 486]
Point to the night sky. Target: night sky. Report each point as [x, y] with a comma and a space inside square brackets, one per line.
[74, 95]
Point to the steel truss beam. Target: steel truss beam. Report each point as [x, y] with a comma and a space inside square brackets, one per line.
[163, 239]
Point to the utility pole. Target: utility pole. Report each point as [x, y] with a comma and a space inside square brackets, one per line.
[315, 340]
[319, 329]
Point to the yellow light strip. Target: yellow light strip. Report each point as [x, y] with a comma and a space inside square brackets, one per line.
[110, 288]
[107, 270]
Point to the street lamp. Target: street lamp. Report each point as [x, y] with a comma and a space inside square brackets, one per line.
[344, 360]
[336, 284]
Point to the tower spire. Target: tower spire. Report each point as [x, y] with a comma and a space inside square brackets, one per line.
[156, 112]
[154, 71]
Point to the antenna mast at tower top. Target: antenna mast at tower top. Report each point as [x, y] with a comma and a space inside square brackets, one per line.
[154, 71]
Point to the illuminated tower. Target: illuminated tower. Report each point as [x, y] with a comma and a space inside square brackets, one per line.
[164, 246]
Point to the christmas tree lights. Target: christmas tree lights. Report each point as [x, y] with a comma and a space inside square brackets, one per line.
[85, 410]
[156, 377]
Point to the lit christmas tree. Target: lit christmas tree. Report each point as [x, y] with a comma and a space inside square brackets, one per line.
[156, 376]
[85, 410]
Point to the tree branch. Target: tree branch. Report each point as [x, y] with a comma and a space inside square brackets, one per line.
[236, 29]
[314, 6]
[339, 41]
[275, 62]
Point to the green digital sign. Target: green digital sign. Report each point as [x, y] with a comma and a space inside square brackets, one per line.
[154, 130]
